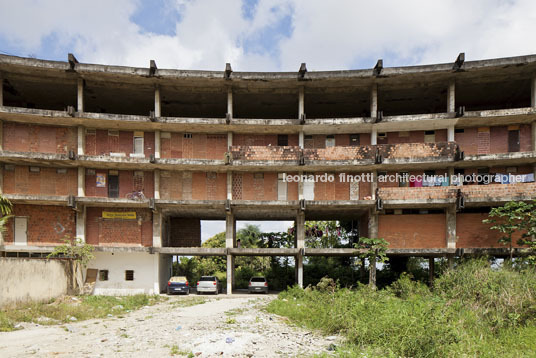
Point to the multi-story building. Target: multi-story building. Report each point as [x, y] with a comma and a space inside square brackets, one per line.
[132, 159]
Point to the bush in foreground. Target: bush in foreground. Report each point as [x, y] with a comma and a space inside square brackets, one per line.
[473, 311]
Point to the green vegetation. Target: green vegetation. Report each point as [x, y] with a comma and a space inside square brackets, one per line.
[69, 309]
[474, 310]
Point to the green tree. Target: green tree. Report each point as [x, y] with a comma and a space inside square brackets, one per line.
[514, 217]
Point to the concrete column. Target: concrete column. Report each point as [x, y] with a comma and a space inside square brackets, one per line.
[374, 101]
[451, 226]
[229, 185]
[157, 229]
[230, 101]
[81, 224]
[300, 188]
[81, 140]
[374, 184]
[451, 97]
[157, 184]
[533, 138]
[301, 102]
[1, 134]
[372, 233]
[156, 274]
[450, 262]
[157, 145]
[80, 95]
[81, 181]
[230, 231]
[1, 92]
[450, 134]
[374, 136]
[301, 139]
[157, 102]
[229, 140]
[300, 244]
[450, 174]
[431, 270]
[533, 93]
[230, 274]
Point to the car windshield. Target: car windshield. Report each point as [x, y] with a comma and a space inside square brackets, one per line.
[178, 279]
[258, 279]
[207, 278]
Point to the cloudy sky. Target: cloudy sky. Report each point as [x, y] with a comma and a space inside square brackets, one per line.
[267, 35]
[271, 35]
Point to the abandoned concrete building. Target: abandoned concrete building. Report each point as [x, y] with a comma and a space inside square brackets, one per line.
[131, 160]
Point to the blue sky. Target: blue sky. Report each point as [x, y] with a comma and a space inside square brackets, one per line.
[267, 35]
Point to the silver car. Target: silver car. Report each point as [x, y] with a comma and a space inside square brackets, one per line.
[258, 284]
[209, 284]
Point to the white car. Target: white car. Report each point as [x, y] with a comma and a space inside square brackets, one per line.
[258, 284]
[209, 284]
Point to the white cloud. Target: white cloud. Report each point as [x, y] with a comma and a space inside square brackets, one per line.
[325, 34]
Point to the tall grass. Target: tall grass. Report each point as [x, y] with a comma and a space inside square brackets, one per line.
[473, 311]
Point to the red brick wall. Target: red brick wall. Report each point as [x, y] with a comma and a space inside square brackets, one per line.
[200, 146]
[47, 182]
[18, 137]
[184, 232]
[335, 190]
[119, 232]
[126, 184]
[47, 224]
[171, 185]
[103, 144]
[495, 141]
[419, 231]
[264, 188]
[415, 137]
[209, 186]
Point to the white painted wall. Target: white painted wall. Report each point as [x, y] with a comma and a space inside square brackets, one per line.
[145, 268]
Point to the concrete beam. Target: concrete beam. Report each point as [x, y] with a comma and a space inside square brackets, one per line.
[81, 181]
[81, 140]
[157, 144]
[157, 229]
[451, 226]
[450, 134]
[81, 224]
[157, 102]
[301, 103]
[230, 101]
[157, 184]
[374, 101]
[80, 95]
[451, 97]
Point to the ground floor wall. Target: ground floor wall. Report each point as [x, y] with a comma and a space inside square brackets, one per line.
[119, 226]
[149, 273]
[25, 280]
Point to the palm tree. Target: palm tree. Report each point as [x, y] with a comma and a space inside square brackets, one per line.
[5, 210]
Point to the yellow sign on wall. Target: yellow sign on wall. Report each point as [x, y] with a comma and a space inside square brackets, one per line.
[127, 215]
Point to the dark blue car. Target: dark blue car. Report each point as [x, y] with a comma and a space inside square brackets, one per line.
[178, 284]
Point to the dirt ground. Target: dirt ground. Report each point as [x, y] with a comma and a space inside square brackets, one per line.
[233, 326]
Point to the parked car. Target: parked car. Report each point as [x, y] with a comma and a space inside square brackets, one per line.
[178, 284]
[258, 284]
[208, 284]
